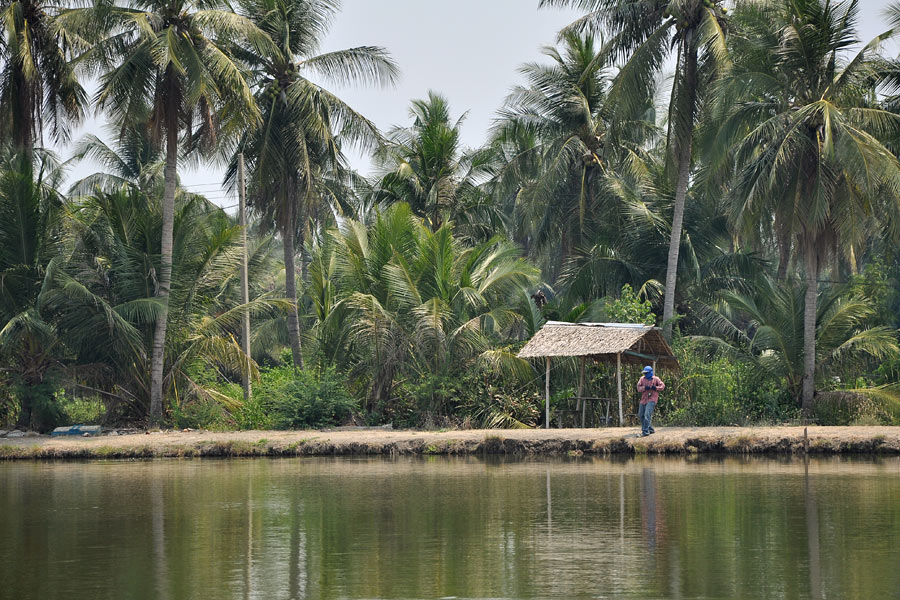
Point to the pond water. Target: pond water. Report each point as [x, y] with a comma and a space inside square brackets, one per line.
[451, 527]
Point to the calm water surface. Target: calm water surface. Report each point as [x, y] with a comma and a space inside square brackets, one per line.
[441, 527]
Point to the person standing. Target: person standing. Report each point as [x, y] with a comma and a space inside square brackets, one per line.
[649, 386]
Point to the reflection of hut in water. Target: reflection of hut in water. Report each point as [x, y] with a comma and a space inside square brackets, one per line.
[617, 343]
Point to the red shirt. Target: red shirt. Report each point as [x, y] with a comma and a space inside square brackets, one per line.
[648, 395]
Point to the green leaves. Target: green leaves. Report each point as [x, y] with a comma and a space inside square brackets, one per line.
[766, 325]
[419, 301]
[425, 166]
[158, 63]
[296, 149]
[38, 82]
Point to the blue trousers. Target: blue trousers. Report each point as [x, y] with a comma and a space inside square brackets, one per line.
[645, 414]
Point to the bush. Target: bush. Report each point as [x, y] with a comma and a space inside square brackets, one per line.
[46, 413]
[714, 389]
[9, 404]
[253, 414]
[199, 413]
[467, 399]
[629, 308]
[301, 399]
[853, 408]
[82, 411]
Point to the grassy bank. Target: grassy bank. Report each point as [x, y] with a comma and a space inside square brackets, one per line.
[670, 441]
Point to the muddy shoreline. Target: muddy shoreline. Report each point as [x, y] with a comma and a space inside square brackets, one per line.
[607, 441]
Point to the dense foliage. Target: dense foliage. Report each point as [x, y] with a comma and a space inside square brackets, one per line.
[755, 219]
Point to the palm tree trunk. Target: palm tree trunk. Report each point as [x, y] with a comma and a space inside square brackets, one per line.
[26, 403]
[809, 326]
[684, 172]
[836, 266]
[783, 238]
[290, 284]
[157, 359]
[23, 118]
[784, 258]
[381, 387]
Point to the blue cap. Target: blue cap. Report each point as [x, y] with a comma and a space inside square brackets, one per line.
[647, 369]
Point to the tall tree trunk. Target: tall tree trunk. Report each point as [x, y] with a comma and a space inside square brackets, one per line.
[290, 284]
[836, 262]
[809, 325]
[157, 359]
[26, 405]
[783, 239]
[23, 116]
[784, 258]
[685, 147]
[381, 388]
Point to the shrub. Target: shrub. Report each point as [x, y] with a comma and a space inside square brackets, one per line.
[508, 407]
[468, 398]
[253, 414]
[46, 413]
[199, 413]
[629, 308]
[302, 399]
[82, 411]
[842, 407]
[715, 389]
[9, 404]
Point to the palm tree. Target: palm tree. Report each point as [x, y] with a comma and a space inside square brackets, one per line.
[806, 132]
[296, 148]
[133, 161]
[646, 32]
[107, 315]
[165, 64]
[425, 165]
[579, 150]
[766, 326]
[631, 245]
[30, 236]
[417, 301]
[37, 77]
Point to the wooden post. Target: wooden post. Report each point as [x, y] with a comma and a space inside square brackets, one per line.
[581, 403]
[245, 284]
[547, 396]
[619, 382]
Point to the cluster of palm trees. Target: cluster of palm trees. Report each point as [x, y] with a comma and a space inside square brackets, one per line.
[778, 114]
[764, 168]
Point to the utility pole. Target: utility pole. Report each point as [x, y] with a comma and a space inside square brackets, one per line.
[245, 284]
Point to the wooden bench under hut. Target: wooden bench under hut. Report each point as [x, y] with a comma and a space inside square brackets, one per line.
[617, 343]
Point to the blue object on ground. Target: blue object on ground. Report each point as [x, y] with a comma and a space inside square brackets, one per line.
[79, 430]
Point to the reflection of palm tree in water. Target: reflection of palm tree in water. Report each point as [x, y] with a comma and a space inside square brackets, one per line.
[158, 525]
[652, 514]
[812, 536]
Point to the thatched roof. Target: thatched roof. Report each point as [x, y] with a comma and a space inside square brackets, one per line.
[638, 344]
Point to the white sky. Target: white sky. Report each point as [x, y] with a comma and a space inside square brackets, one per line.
[467, 50]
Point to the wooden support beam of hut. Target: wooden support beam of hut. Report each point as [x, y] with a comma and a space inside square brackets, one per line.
[619, 385]
[581, 403]
[547, 396]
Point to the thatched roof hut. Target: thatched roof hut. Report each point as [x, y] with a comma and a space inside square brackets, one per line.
[604, 342]
[637, 344]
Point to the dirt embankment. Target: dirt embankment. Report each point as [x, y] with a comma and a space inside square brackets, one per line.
[675, 440]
